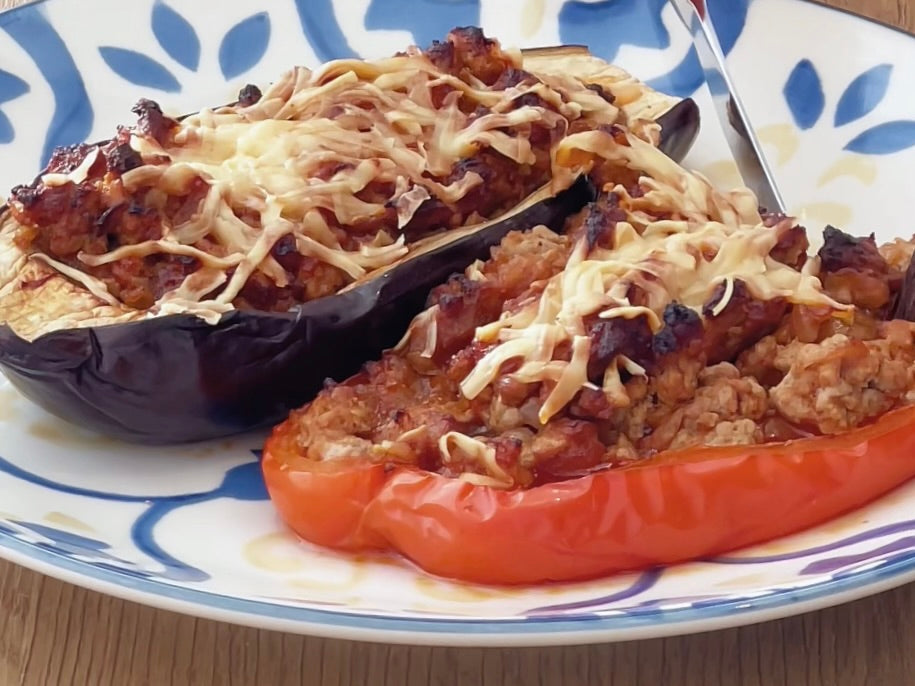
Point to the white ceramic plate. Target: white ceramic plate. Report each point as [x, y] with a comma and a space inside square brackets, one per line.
[190, 529]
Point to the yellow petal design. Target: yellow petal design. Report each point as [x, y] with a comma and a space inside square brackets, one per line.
[818, 213]
[460, 593]
[68, 522]
[532, 17]
[783, 137]
[723, 174]
[65, 434]
[743, 581]
[8, 398]
[347, 580]
[281, 553]
[857, 166]
[277, 552]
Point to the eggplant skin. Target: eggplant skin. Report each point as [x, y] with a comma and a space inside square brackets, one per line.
[177, 379]
[679, 129]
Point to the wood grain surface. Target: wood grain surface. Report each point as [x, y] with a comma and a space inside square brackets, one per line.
[55, 633]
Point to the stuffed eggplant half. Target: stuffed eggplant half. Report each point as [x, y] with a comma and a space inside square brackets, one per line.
[671, 378]
[198, 277]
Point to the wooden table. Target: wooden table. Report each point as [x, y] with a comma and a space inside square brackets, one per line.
[55, 633]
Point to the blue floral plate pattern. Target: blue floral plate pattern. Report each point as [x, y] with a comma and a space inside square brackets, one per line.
[190, 529]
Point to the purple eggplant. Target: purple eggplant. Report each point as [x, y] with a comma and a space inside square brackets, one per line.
[177, 378]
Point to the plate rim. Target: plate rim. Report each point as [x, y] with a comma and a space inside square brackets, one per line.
[473, 633]
[587, 628]
[817, 3]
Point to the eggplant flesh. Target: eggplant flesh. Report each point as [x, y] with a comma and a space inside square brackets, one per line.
[178, 378]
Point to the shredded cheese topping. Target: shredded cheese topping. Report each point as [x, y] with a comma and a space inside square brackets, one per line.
[679, 260]
[311, 145]
[454, 442]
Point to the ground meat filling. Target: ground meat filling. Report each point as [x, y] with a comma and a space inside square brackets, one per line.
[755, 371]
[94, 214]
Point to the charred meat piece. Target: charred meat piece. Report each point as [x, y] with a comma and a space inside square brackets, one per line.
[905, 303]
[682, 326]
[791, 248]
[248, 95]
[151, 121]
[601, 220]
[66, 159]
[611, 338]
[467, 52]
[742, 322]
[853, 270]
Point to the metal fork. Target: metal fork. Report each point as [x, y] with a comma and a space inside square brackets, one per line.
[740, 135]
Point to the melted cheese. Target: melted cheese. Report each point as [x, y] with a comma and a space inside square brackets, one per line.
[95, 286]
[665, 261]
[667, 185]
[455, 443]
[310, 147]
[77, 176]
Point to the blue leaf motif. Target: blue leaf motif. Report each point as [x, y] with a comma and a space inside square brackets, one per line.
[139, 69]
[6, 129]
[863, 94]
[73, 116]
[143, 534]
[730, 17]
[683, 80]
[427, 20]
[244, 482]
[11, 86]
[319, 24]
[70, 540]
[830, 565]
[176, 36]
[804, 94]
[609, 24]
[884, 139]
[244, 45]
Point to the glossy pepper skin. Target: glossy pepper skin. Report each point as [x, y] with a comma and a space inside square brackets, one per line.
[678, 506]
